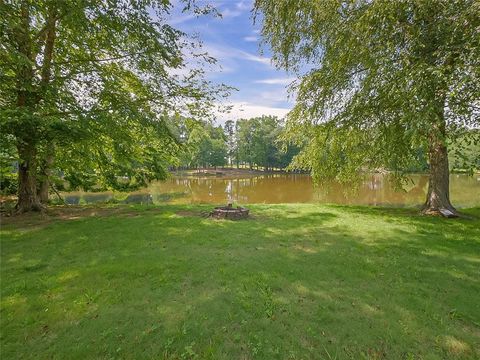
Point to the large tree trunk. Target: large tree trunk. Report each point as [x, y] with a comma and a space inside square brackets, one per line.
[27, 182]
[46, 168]
[46, 172]
[27, 99]
[438, 194]
[43, 188]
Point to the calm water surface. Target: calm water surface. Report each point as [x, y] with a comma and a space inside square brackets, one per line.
[286, 188]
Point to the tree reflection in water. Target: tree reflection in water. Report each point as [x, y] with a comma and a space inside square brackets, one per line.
[377, 189]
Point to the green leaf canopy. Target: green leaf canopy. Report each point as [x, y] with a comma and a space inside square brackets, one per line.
[380, 80]
[96, 80]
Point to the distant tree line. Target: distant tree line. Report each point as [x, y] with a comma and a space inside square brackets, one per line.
[253, 143]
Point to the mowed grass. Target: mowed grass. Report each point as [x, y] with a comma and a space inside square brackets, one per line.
[293, 282]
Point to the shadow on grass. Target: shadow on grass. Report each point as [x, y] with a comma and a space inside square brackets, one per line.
[296, 282]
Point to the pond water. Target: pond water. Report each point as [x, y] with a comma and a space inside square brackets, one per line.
[285, 188]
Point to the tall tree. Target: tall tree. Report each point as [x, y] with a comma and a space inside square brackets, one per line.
[229, 130]
[86, 87]
[206, 145]
[244, 136]
[258, 141]
[380, 79]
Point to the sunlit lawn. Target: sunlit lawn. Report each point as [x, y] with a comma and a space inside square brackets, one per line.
[293, 282]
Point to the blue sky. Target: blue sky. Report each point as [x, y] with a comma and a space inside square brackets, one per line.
[234, 41]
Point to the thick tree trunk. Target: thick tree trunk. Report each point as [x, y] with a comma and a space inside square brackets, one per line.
[43, 189]
[46, 169]
[27, 183]
[438, 194]
[46, 172]
[27, 99]
[48, 52]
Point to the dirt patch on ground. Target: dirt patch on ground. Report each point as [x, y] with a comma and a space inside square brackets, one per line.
[66, 213]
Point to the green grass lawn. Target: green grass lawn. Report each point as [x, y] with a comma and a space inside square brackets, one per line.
[293, 282]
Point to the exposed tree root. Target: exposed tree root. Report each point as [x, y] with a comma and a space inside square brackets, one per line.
[450, 212]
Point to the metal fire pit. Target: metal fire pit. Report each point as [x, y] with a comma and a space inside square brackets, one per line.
[229, 212]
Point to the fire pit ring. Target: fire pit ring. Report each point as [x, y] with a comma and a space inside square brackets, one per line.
[229, 212]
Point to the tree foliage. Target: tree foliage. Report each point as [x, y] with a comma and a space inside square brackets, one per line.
[207, 146]
[258, 142]
[379, 81]
[253, 142]
[86, 88]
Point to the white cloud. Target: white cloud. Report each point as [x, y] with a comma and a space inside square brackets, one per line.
[250, 38]
[228, 13]
[246, 110]
[223, 53]
[247, 56]
[273, 97]
[275, 81]
[239, 9]
[179, 19]
[244, 5]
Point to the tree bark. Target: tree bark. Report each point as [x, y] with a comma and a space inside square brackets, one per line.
[27, 99]
[48, 52]
[27, 181]
[46, 172]
[27, 185]
[46, 168]
[438, 194]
